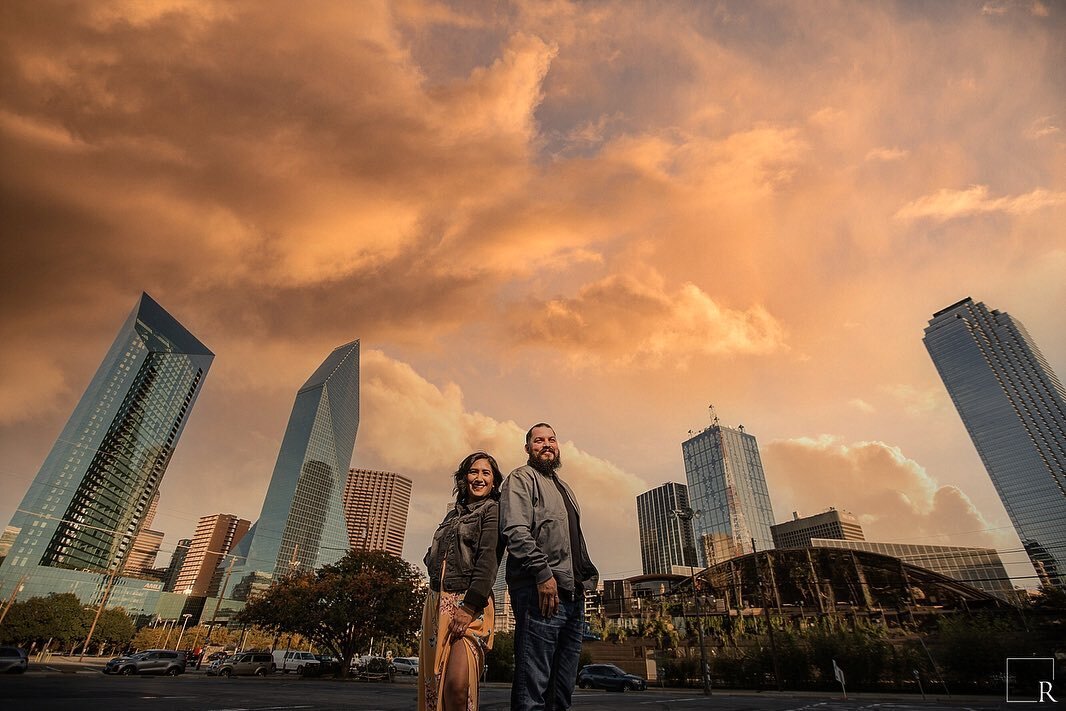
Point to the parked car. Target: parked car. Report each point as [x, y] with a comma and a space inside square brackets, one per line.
[245, 664]
[373, 669]
[151, 661]
[327, 664]
[13, 660]
[215, 656]
[214, 666]
[610, 677]
[287, 660]
[406, 665]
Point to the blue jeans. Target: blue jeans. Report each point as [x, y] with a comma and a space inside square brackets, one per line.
[546, 651]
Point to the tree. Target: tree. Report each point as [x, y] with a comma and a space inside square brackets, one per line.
[341, 607]
[59, 617]
[972, 648]
[500, 659]
[114, 628]
[1049, 596]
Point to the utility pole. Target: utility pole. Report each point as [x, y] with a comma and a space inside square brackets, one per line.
[766, 615]
[218, 604]
[99, 611]
[687, 514]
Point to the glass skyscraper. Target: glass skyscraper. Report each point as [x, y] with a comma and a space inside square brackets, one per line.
[1014, 407]
[95, 488]
[727, 486]
[666, 540]
[302, 524]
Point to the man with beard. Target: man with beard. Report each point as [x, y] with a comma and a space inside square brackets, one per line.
[548, 571]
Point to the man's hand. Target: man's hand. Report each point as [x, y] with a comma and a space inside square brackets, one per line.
[549, 598]
[460, 621]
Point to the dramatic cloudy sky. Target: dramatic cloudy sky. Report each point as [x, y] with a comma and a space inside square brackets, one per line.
[604, 215]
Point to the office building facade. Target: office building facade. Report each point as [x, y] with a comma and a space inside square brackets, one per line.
[375, 510]
[980, 567]
[141, 560]
[88, 502]
[215, 537]
[1014, 408]
[727, 486]
[302, 525]
[666, 541]
[798, 532]
[177, 559]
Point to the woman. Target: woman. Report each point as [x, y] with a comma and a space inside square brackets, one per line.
[457, 622]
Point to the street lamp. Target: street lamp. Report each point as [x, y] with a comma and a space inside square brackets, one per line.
[687, 514]
[186, 617]
[218, 603]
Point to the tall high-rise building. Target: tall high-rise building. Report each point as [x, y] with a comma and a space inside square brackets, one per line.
[501, 596]
[177, 559]
[1014, 407]
[727, 486]
[89, 499]
[7, 538]
[141, 559]
[302, 522]
[666, 542]
[214, 538]
[375, 510]
[798, 532]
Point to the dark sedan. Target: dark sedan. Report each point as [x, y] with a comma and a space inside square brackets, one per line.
[14, 660]
[610, 677]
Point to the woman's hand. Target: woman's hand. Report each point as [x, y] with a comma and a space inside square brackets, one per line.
[461, 619]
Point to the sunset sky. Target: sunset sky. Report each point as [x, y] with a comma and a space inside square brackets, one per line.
[608, 216]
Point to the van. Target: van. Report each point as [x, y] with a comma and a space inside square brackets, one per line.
[288, 660]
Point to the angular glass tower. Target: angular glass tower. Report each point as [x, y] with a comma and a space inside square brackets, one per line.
[666, 540]
[96, 486]
[302, 523]
[727, 485]
[1014, 407]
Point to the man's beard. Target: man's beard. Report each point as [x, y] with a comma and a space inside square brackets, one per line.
[546, 467]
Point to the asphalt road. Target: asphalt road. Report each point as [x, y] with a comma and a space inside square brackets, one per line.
[83, 688]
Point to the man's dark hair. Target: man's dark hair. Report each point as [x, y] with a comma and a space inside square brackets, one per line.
[529, 434]
[462, 489]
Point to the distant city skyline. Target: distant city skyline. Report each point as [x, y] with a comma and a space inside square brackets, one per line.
[208, 554]
[540, 212]
[1014, 407]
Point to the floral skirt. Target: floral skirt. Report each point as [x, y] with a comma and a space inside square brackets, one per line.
[436, 646]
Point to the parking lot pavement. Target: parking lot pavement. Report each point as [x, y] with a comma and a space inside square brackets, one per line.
[44, 690]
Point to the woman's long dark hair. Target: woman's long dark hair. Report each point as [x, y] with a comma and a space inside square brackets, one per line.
[461, 489]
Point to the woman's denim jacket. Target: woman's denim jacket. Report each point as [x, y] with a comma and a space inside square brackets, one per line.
[467, 544]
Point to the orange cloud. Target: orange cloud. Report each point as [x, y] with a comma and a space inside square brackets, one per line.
[622, 320]
[894, 497]
[947, 204]
[887, 154]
